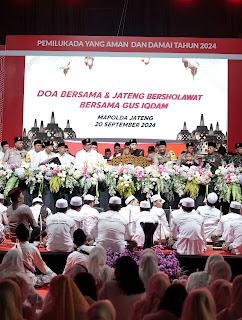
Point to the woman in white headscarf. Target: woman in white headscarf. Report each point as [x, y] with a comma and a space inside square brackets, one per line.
[12, 264]
[198, 280]
[211, 260]
[157, 286]
[148, 265]
[101, 310]
[234, 311]
[97, 265]
[199, 305]
[221, 270]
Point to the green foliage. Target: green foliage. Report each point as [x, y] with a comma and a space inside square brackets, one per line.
[192, 189]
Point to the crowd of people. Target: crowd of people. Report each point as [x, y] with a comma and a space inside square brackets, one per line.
[131, 292]
[42, 153]
[88, 288]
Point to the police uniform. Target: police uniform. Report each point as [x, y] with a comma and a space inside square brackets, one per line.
[169, 155]
[13, 154]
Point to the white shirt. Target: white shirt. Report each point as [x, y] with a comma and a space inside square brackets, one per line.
[117, 155]
[77, 216]
[32, 259]
[36, 211]
[1, 156]
[77, 257]
[211, 217]
[163, 230]
[45, 156]
[188, 229]
[60, 230]
[90, 216]
[173, 214]
[131, 214]
[3, 214]
[144, 216]
[235, 236]
[111, 230]
[65, 159]
[225, 223]
[83, 157]
[34, 157]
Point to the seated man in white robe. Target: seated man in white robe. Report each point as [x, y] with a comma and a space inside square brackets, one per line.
[60, 229]
[235, 237]
[210, 214]
[81, 255]
[225, 222]
[89, 213]
[74, 211]
[174, 213]
[163, 230]
[131, 212]
[111, 228]
[32, 258]
[188, 229]
[38, 208]
[144, 216]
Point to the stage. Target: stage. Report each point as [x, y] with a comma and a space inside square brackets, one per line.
[57, 260]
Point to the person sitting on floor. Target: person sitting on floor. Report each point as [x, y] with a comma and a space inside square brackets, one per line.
[65, 301]
[32, 258]
[188, 229]
[111, 230]
[18, 213]
[126, 289]
[87, 286]
[60, 229]
[74, 211]
[81, 255]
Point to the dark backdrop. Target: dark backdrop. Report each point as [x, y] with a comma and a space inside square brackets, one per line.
[164, 18]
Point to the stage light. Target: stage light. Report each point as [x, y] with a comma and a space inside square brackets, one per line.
[89, 62]
[146, 60]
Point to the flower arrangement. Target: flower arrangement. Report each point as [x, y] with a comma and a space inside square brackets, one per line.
[125, 179]
[166, 263]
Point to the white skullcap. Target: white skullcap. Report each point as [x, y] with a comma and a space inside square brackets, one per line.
[37, 200]
[61, 203]
[156, 197]
[1, 196]
[145, 204]
[235, 205]
[115, 200]
[89, 197]
[76, 201]
[212, 198]
[188, 202]
[129, 199]
[181, 201]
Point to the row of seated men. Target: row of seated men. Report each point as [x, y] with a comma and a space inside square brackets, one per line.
[188, 228]
[158, 154]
